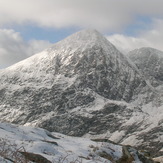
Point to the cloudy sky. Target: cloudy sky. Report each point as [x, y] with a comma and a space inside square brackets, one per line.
[29, 26]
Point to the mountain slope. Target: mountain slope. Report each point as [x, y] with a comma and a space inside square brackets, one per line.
[86, 54]
[38, 145]
[81, 86]
[150, 62]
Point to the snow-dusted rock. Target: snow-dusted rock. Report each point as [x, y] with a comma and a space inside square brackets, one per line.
[20, 143]
[83, 85]
[150, 62]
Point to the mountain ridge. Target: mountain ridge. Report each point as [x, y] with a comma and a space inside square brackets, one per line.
[82, 85]
[150, 62]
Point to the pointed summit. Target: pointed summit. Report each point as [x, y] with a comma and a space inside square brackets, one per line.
[68, 53]
[85, 35]
[82, 40]
[88, 58]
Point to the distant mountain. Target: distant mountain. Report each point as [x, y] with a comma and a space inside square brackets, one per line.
[150, 62]
[24, 144]
[83, 86]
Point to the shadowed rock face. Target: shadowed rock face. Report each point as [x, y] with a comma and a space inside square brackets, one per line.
[82, 84]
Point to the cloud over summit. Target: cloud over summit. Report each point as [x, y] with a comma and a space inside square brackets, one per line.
[128, 24]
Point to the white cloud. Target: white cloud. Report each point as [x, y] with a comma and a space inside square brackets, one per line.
[126, 43]
[150, 38]
[13, 48]
[110, 15]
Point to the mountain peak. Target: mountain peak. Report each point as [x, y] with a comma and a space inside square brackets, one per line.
[67, 51]
[84, 39]
[84, 85]
[86, 34]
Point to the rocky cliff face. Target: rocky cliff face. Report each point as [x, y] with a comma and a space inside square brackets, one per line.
[83, 86]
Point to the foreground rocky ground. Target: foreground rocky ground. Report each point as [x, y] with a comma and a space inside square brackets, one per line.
[20, 144]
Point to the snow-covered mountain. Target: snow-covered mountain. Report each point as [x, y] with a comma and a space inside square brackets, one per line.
[23, 144]
[83, 86]
[150, 62]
